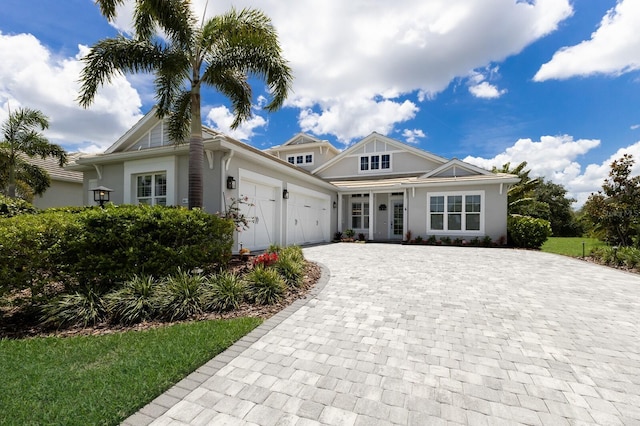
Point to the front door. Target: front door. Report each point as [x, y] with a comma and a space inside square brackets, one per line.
[397, 219]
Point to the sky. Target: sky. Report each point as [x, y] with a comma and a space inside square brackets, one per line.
[555, 83]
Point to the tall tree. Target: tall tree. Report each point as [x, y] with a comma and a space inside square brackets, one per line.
[616, 209]
[558, 209]
[221, 52]
[521, 195]
[22, 139]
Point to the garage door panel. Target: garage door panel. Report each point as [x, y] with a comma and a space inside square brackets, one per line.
[307, 218]
[262, 208]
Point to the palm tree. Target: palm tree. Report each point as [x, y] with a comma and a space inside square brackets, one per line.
[21, 139]
[521, 194]
[221, 52]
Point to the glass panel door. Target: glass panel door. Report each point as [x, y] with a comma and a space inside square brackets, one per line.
[398, 219]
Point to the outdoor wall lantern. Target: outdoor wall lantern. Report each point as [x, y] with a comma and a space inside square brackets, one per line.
[231, 183]
[101, 195]
[285, 194]
[335, 204]
[382, 207]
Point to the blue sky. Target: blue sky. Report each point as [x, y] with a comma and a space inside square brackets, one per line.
[552, 82]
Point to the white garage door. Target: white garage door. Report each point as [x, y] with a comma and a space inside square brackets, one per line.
[307, 219]
[262, 208]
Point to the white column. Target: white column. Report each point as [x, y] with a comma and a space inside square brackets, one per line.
[340, 218]
[405, 213]
[371, 214]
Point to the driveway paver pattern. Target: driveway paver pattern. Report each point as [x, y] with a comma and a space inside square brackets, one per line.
[423, 335]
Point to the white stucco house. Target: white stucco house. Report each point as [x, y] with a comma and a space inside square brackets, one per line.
[303, 191]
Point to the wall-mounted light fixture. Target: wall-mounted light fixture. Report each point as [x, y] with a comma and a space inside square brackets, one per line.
[335, 204]
[101, 195]
[231, 182]
[382, 207]
[285, 194]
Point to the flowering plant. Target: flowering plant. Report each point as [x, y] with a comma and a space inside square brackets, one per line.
[265, 259]
[233, 212]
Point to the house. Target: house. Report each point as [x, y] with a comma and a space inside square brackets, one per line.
[305, 190]
[66, 185]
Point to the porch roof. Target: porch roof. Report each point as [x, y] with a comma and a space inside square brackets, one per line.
[401, 183]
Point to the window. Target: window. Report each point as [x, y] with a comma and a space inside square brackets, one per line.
[151, 189]
[360, 211]
[304, 158]
[455, 212]
[375, 162]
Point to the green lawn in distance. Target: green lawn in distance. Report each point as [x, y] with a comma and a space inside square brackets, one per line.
[90, 380]
[571, 246]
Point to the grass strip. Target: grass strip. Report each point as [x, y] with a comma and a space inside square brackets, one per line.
[571, 246]
[104, 379]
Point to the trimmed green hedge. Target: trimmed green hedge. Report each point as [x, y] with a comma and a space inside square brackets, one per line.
[107, 246]
[528, 232]
[10, 207]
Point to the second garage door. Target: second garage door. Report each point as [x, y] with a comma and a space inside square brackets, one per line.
[262, 208]
[307, 218]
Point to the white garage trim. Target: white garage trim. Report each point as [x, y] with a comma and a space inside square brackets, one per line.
[310, 221]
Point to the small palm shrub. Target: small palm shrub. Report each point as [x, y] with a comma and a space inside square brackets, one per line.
[179, 295]
[274, 248]
[294, 253]
[265, 286]
[223, 292]
[291, 271]
[84, 308]
[134, 302]
[629, 256]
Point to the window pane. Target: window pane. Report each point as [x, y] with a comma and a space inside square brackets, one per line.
[299, 159]
[292, 160]
[308, 159]
[144, 186]
[375, 162]
[162, 201]
[386, 161]
[146, 201]
[472, 204]
[473, 222]
[364, 163]
[454, 203]
[437, 221]
[454, 222]
[161, 185]
[437, 204]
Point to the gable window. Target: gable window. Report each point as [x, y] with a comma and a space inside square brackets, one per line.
[151, 189]
[456, 212]
[301, 159]
[360, 211]
[375, 162]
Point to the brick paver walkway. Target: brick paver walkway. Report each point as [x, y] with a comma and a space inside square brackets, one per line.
[418, 335]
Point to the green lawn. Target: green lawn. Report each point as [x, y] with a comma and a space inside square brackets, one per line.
[104, 379]
[571, 246]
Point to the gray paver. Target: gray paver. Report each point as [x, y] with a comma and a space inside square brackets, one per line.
[430, 335]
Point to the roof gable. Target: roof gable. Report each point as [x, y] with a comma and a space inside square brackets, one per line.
[301, 139]
[456, 168]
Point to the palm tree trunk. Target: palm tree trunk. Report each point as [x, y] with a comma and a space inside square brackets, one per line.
[196, 152]
[12, 180]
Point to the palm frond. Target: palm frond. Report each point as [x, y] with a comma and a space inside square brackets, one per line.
[234, 85]
[180, 118]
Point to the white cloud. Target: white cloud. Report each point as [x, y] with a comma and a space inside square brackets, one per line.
[614, 48]
[220, 118]
[355, 118]
[635, 127]
[412, 136]
[555, 158]
[31, 76]
[486, 90]
[371, 53]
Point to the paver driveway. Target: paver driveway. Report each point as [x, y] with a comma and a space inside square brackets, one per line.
[432, 335]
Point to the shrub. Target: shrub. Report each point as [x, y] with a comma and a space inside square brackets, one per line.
[487, 241]
[83, 308]
[629, 256]
[134, 302]
[446, 240]
[223, 292]
[30, 251]
[291, 271]
[337, 236]
[617, 256]
[108, 245]
[179, 296]
[349, 233]
[274, 248]
[294, 253]
[265, 286]
[10, 207]
[528, 232]
[361, 237]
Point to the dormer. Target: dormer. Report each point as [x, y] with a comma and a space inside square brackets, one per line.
[304, 151]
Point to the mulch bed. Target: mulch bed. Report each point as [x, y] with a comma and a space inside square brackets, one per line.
[17, 324]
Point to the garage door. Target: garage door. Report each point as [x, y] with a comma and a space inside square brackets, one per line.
[262, 208]
[307, 219]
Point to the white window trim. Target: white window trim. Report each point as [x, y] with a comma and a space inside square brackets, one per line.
[153, 197]
[150, 165]
[379, 169]
[304, 158]
[463, 231]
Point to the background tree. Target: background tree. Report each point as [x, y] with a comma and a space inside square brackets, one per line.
[556, 208]
[220, 52]
[22, 139]
[615, 211]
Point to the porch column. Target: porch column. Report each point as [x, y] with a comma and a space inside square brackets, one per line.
[339, 224]
[371, 214]
[405, 219]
